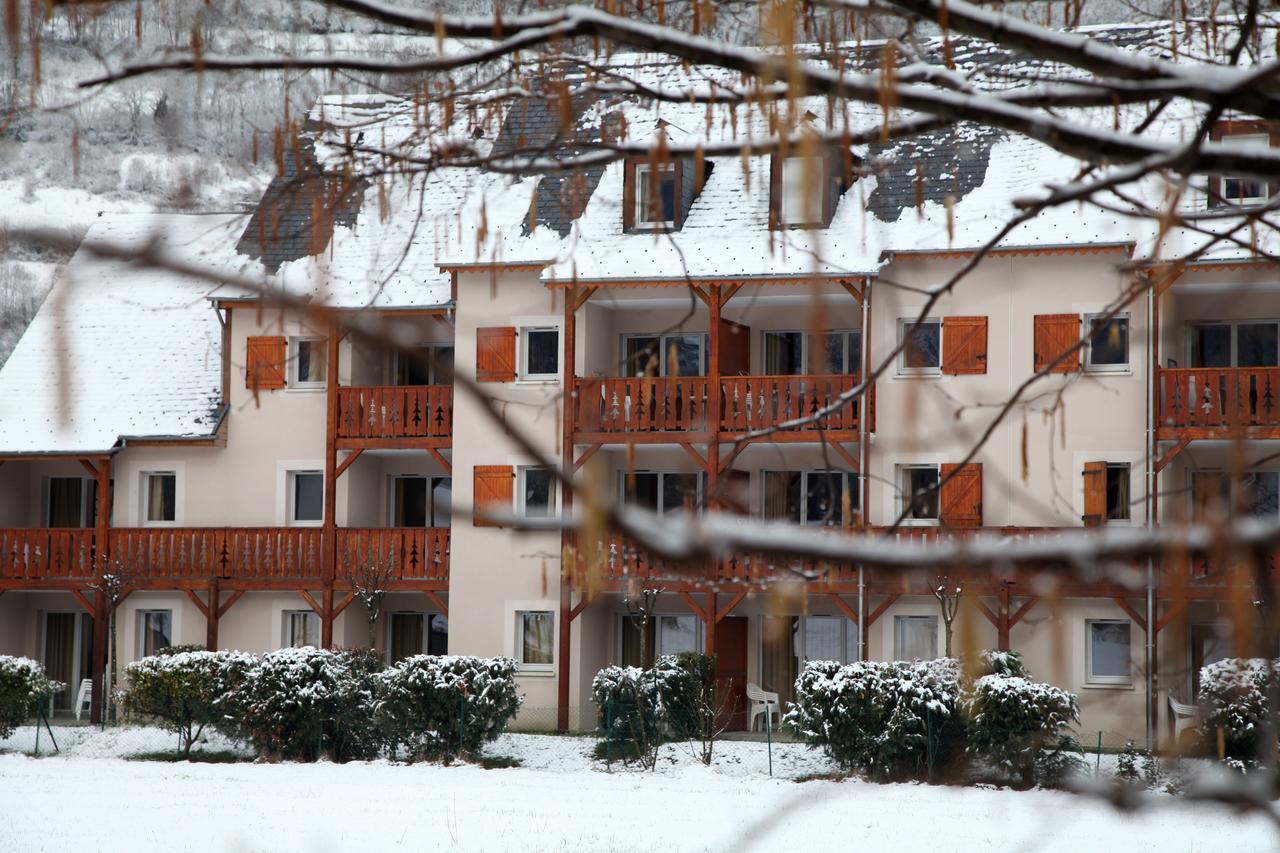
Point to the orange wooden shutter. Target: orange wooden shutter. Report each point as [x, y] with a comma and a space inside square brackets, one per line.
[264, 363]
[960, 503]
[494, 491]
[1054, 335]
[964, 345]
[496, 354]
[1095, 493]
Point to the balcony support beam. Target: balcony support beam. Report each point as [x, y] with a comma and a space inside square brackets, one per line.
[329, 539]
[574, 299]
[105, 563]
[440, 460]
[346, 463]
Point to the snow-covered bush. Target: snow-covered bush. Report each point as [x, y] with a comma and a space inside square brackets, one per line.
[630, 703]
[1233, 694]
[688, 686]
[1010, 721]
[443, 706]
[183, 687]
[892, 719]
[304, 703]
[23, 683]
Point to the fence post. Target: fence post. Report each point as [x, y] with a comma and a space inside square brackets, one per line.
[1097, 763]
[608, 735]
[768, 736]
[462, 715]
[928, 736]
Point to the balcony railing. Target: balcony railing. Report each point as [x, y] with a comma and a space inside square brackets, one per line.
[395, 411]
[1219, 397]
[680, 404]
[234, 553]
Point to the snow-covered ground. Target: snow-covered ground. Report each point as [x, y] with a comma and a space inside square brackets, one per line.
[558, 800]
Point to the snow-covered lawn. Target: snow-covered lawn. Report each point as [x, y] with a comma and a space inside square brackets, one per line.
[558, 800]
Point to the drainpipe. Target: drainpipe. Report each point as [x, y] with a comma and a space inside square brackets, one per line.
[1152, 360]
[862, 458]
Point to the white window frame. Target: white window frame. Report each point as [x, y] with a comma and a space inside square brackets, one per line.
[1234, 327]
[295, 381]
[518, 650]
[796, 167]
[286, 623]
[1120, 522]
[852, 484]
[146, 498]
[291, 498]
[522, 472]
[640, 219]
[432, 482]
[806, 347]
[1089, 366]
[904, 497]
[140, 618]
[662, 475]
[86, 501]
[427, 617]
[664, 350]
[905, 323]
[623, 619]
[1105, 680]
[1233, 140]
[523, 338]
[902, 619]
[398, 359]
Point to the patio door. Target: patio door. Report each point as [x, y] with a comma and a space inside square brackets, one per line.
[731, 672]
[65, 652]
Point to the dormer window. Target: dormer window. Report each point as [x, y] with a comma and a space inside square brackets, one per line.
[655, 196]
[802, 180]
[1242, 135]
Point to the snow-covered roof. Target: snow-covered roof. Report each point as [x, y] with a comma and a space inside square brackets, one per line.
[118, 351]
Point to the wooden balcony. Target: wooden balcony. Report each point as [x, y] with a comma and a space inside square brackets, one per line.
[1219, 402]
[389, 415]
[248, 556]
[675, 408]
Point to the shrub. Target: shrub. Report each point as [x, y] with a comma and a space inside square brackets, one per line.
[23, 684]
[630, 703]
[1010, 721]
[1233, 695]
[304, 703]
[182, 687]
[688, 683]
[441, 707]
[891, 719]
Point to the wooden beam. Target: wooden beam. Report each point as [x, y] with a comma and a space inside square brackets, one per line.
[1023, 610]
[580, 606]
[200, 605]
[582, 460]
[702, 294]
[211, 617]
[693, 605]
[1133, 614]
[844, 608]
[854, 291]
[84, 602]
[342, 605]
[729, 293]
[90, 467]
[226, 605]
[435, 599]
[986, 611]
[346, 463]
[733, 602]
[311, 602]
[582, 298]
[1178, 608]
[697, 457]
[440, 460]
[1172, 452]
[844, 454]
[884, 605]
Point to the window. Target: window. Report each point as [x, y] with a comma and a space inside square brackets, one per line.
[155, 631]
[1255, 493]
[915, 637]
[672, 355]
[540, 353]
[301, 628]
[802, 190]
[410, 634]
[1210, 494]
[429, 364]
[655, 196]
[1260, 493]
[73, 502]
[159, 497]
[1241, 344]
[918, 491]
[786, 642]
[676, 634]
[535, 639]
[1108, 653]
[1245, 190]
[923, 351]
[307, 360]
[798, 353]
[811, 497]
[662, 491]
[537, 493]
[306, 497]
[1108, 350]
[1118, 502]
[1209, 644]
[418, 501]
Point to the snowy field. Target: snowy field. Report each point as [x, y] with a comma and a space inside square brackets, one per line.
[558, 800]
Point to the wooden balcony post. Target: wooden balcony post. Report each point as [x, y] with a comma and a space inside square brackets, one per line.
[568, 390]
[1002, 614]
[103, 565]
[714, 304]
[329, 543]
[211, 617]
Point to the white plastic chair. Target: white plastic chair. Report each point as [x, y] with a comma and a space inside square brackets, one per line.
[763, 702]
[84, 697]
[1183, 717]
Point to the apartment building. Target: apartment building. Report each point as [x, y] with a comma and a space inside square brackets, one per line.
[244, 464]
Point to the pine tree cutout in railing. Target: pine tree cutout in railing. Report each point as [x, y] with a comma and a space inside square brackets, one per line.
[416, 417]
[414, 558]
[1268, 399]
[439, 419]
[615, 411]
[224, 559]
